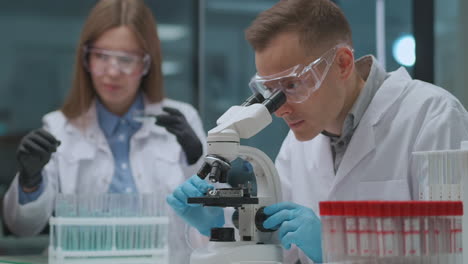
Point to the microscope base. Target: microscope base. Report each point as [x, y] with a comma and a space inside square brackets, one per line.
[237, 253]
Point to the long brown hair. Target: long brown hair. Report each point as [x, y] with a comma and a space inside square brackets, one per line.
[318, 23]
[105, 15]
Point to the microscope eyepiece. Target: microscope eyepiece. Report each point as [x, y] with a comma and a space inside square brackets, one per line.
[275, 101]
[253, 99]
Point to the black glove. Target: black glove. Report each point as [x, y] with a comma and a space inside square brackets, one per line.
[176, 124]
[33, 154]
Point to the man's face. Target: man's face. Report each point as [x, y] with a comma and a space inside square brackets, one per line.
[310, 117]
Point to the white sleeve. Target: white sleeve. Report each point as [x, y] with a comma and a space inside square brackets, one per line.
[29, 219]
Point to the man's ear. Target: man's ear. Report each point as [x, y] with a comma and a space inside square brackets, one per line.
[345, 60]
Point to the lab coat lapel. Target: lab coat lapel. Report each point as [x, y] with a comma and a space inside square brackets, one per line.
[362, 143]
[323, 163]
[363, 140]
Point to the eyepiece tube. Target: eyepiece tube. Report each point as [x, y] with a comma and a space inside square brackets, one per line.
[275, 101]
[253, 99]
[204, 170]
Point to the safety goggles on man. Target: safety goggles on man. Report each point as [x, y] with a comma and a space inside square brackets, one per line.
[298, 82]
[98, 61]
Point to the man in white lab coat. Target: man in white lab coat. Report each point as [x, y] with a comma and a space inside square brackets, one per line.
[353, 125]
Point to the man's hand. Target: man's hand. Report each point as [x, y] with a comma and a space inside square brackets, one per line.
[202, 218]
[297, 225]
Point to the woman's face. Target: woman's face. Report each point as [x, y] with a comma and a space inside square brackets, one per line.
[117, 63]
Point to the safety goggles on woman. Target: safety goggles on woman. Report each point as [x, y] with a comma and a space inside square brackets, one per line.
[298, 82]
[98, 61]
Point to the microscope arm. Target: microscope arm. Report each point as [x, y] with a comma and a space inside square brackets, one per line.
[239, 122]
[268, 192]
[268, 183]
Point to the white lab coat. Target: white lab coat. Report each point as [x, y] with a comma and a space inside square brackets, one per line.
[84, 164]
[404, 116]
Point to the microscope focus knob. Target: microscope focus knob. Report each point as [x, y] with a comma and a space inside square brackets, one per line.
[222, 234]
[261, 217]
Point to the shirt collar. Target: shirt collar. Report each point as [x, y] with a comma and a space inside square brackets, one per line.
[109, 121]
[374, 75]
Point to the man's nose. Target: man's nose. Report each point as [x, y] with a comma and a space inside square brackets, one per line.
[284, 110]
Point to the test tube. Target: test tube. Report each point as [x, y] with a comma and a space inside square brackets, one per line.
[351, 229]
[379, 235]
[444, 220]
[458, 244]
[416, 213]
[425, 233]
[409, 250]
[325, 216]
[142, 116]
[333, 231]
[420, 160]
[364, 230]
[449, 235]
[389, 247]
[377, 239]
[457, 174]
[435, 229]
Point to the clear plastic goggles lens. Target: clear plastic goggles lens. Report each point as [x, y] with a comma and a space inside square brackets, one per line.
[99, 61]
[295, 88]
[298, 82]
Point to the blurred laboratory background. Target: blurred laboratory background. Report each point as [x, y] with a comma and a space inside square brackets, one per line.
[207, 61]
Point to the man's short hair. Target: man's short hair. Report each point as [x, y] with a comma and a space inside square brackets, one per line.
[319, 23]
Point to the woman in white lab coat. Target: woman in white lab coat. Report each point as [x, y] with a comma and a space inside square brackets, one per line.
[93, 144]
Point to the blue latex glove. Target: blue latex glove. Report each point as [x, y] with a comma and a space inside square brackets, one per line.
[202, 218]
[297, 225]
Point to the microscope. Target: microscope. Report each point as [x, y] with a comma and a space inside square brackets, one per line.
[256, 244]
